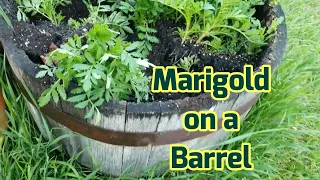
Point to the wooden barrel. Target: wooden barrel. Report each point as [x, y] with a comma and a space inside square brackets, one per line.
[131, 136]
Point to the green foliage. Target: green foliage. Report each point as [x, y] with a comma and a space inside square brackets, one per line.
[273, 27]
[187, 62]
[221, 25]
[147, 37]
[46, 8]
[144, 14]
[274, 2]
[188, 9]
[108, 68]
[104, 14]
[105, 68]
[226, 25]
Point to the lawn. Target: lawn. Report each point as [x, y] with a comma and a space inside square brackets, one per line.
[283, 127]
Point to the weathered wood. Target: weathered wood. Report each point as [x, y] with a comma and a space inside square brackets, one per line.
[243, 99]
[108, 157]
[139, 119]
[160, 153]
[115, 159]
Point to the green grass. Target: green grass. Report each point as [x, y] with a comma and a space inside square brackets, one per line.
[283, 127]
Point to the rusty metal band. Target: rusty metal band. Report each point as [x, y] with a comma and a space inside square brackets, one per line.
[124, 138]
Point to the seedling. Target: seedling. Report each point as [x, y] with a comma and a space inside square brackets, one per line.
[187, 62]
[47, 8]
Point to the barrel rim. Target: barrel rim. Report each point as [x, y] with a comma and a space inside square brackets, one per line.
[273, 55]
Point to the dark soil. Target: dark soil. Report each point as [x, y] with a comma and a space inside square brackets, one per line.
[170, 50]
[36, 37]
[76, 10]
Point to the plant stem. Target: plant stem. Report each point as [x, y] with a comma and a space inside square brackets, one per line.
[203, 35]
[243, 34]
[186, 32]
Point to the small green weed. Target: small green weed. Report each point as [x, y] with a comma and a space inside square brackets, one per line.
[47, 8]
[187, 62]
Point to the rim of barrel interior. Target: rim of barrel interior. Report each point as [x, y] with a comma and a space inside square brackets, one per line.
[272, 55]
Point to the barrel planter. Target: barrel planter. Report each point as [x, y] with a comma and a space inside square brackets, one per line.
[132, 136]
